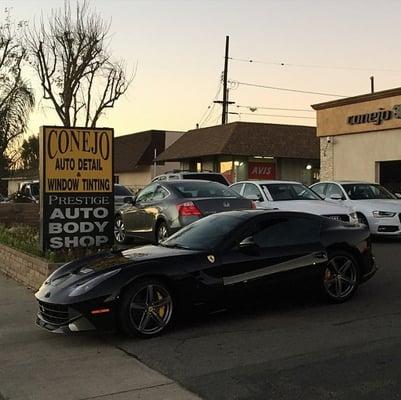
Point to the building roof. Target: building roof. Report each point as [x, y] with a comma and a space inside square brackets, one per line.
[137, 149]
[246, 139]
[358, 99]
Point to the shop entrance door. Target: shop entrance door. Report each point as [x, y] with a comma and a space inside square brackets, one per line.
[390, 175]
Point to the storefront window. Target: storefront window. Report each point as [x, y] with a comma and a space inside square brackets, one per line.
[226, 168]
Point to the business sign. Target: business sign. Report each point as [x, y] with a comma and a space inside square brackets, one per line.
[76, 181]
[379, 114]
[261, 170]
[376, 117]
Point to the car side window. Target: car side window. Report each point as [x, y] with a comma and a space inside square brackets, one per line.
[237, 188]
[333, 189]
[146, 194]
[252, 190]
[287, 231]
[160, 194]
[320, 189]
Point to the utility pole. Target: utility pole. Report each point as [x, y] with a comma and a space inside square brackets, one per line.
[372, 84]
[225, 101]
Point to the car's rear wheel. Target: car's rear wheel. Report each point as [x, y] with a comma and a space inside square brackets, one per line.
[120, 234]
[162, 232]
[146, 308]
[340, 277]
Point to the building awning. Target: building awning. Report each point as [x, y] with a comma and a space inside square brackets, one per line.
[246, 139]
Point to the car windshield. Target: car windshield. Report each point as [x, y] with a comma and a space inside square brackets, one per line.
[367, 191]
[204, 189]
[207, 233]
[121, 191]
[289, 191]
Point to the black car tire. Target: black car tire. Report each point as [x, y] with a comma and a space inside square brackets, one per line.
[161, 232]
[340, 277]
[120, 234]
[146, 308]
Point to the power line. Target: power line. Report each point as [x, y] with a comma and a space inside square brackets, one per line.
[205, 117]
[277, 115]
[255, 108]
[286, 89]
[282, 64]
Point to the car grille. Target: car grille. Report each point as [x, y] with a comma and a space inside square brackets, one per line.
[338, 217]
[54, 313]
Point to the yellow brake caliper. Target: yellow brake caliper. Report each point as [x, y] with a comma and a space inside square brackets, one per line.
[162, 309]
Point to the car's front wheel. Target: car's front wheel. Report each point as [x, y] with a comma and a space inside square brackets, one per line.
[340, 277]
[120, 234]
[146, 308]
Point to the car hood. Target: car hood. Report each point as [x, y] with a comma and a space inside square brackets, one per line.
[379, 204]
[319, 207]
[86, 267]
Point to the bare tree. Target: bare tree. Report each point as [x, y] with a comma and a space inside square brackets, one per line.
[71, 57]
[16, 96]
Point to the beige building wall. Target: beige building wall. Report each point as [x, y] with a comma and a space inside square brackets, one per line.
[355, 156]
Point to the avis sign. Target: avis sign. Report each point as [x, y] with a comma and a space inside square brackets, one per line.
[76, 181]
[261, 170]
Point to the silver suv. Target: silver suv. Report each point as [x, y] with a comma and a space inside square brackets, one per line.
[204, 176]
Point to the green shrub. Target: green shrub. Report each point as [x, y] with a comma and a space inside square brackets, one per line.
[26, 238]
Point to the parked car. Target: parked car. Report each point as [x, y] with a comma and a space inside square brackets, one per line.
[375, 206]
[122, 195]
[291, 196]
[214, 258]
[164, 207]
[28, 192]
[204, 175]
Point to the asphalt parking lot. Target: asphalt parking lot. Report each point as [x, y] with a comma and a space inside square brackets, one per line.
[285, 346]
[290, 346]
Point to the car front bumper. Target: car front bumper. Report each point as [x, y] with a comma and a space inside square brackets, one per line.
[385, 226]
[58, 318]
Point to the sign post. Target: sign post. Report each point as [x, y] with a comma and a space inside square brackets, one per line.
[76, 187]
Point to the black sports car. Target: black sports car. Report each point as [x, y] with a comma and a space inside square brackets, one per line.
[141, 289]
[162, 208]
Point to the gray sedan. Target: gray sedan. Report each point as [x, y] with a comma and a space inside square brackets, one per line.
[162, 208]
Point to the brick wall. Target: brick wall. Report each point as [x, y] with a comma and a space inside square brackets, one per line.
[29, 270]
[19, 213]
[326, 159]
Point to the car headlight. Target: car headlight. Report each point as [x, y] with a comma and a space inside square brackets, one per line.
[383, 214]
[91, 283]
[353, 218]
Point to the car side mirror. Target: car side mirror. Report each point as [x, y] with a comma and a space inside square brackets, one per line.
[129, 200]
[398, 195]
[249, 246]
[255, 197]
[336, 196]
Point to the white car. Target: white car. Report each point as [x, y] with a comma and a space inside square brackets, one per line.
[291, 196]
[375, 206]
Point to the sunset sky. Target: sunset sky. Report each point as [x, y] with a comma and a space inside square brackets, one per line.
[178, 47]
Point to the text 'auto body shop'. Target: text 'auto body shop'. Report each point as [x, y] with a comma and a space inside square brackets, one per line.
[360, 138]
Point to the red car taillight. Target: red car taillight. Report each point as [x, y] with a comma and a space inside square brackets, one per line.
[188, 209]
[253, 204]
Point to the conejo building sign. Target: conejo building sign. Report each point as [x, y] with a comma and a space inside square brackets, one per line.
[76, 181]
